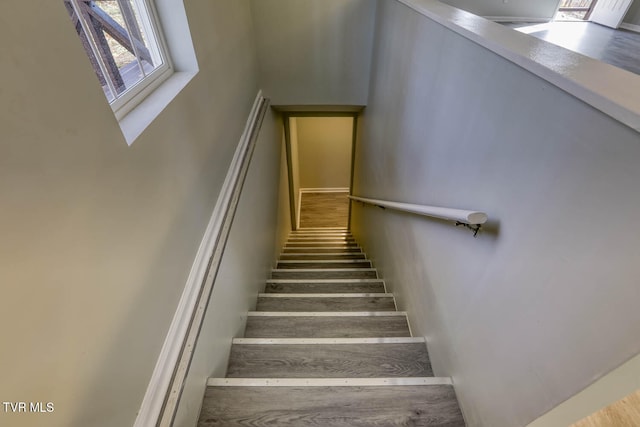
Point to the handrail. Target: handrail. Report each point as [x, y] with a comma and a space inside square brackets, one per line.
[160, 404]
[232, 199]
[461, 216]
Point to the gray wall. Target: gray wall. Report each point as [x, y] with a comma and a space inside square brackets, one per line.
[633, 16]
[314, 52]
[246, 263]
[98, 238]
[539, 9]
[544, 301]
[616, 385]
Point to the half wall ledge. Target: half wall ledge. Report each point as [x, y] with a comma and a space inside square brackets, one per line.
[603, 86]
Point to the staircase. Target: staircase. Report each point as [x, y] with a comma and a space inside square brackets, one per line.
[327, 347]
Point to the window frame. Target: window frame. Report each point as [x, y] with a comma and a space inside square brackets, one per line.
[133, 96]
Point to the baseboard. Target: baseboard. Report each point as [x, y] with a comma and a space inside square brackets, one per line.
[631, 27]
[166, 365]
[516, 19]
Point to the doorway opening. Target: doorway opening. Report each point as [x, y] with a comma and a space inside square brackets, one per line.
[320, 148]
[575, 10]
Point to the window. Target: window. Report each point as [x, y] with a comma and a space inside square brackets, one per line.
[126, 50]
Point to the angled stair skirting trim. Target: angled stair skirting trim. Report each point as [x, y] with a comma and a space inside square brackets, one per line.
[326, 382]
[165, 386]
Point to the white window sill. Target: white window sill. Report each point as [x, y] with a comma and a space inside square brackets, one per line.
[140, 117]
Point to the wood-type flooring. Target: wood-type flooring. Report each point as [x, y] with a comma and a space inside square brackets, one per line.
[327, 347]
[620, 48]
[324, 210]
[623, 413]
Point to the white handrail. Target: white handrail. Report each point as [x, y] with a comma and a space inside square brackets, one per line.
[458, 215]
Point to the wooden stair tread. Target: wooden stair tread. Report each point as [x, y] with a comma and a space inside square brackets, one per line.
[320, 250]
[320, 237]
[329, 360]
[326, 327]
[324, 273]
[326, 347]
[330, 263]
[320, 244]
[308, 234]
[372, 286]
[321, 256]
[326, 304]
[433, 405]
